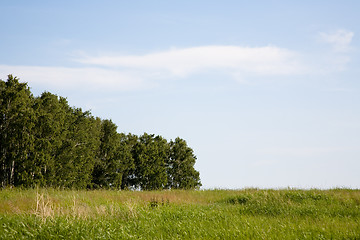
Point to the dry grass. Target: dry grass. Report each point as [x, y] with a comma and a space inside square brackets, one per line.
[45, 206]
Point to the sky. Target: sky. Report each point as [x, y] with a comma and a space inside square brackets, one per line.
[266, 93]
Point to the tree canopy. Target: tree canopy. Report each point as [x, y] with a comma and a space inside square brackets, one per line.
[45, 142]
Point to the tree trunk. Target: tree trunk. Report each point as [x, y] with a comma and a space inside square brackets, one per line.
[12, 170]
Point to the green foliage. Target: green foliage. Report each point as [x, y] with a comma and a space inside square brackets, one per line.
[50, 132]
[150, 154]
[180, 166]
[78, 151]
[114, 158]
[47, 143]
[16, 122]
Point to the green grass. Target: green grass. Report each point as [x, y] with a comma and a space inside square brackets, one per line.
[209, 214]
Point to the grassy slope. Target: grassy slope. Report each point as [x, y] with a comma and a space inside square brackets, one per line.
[212, 214]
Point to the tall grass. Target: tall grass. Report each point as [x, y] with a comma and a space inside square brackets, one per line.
[209, 214]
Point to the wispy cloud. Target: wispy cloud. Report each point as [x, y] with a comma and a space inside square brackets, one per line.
[231, 59]
[340, 39]
[129, 72]
[75, 78]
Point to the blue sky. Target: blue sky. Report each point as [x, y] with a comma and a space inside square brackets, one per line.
[265, 92]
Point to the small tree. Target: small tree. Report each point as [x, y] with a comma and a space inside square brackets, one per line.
[180, 166]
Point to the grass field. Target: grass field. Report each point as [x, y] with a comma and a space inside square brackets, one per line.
[207, 214]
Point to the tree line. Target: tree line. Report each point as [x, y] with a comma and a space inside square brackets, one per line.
[45, 142]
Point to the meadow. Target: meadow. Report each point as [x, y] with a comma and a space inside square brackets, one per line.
[180, 214]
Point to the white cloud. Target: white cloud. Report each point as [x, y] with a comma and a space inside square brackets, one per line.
[129, 72]
[340, 39]
[233, 60]
[73, 78]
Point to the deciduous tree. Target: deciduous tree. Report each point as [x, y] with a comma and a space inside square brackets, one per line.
[180, 166]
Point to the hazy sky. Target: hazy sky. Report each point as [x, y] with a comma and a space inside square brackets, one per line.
[267, 93]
